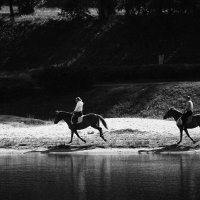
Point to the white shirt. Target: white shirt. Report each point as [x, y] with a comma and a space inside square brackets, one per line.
[189, 106]
[79, 106]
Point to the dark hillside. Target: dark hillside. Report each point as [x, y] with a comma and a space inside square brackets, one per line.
[149, 100]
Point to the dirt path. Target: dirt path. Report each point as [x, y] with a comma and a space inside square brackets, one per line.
[122, 133]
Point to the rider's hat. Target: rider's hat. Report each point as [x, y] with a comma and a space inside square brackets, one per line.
[188, 97]
[78, 99]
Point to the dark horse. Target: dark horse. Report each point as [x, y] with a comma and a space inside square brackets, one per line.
[88, 120]
[172, 112]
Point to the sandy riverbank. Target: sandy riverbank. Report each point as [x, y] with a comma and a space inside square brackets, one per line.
[132, 135]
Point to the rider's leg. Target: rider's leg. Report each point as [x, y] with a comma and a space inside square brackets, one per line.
[185, 117]
[72, 119]
[75, 117]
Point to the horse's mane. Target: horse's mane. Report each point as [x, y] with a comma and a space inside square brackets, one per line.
[173, 108]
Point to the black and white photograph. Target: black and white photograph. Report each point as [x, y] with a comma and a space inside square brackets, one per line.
[99, 99]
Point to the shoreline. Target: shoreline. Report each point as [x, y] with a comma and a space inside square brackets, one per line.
[97, 151]
[125, 135]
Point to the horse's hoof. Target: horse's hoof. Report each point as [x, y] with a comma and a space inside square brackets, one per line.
[69, 142]
[194, 142]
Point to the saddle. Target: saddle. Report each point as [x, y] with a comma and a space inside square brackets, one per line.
[80, 120]
[180, 122]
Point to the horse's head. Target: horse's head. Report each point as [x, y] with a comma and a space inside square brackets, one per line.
[169, 113]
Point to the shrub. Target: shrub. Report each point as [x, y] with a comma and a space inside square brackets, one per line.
[27, 6]
[62, 79]
[12, 88]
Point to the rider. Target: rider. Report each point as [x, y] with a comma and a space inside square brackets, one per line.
[188, 110]
[78, 111]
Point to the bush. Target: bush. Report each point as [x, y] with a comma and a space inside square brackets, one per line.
[62, 79]
[27, 6]
[135, 73]
[74, 9]
[12, 88]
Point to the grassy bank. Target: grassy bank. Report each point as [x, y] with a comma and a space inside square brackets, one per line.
[112, 100]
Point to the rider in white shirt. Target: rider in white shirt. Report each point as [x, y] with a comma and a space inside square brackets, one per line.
[188, 110]
[78, 111]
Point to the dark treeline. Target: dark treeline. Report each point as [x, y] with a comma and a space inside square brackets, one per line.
[156, 26]
[105, 8]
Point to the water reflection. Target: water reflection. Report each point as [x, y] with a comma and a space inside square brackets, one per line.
[36, 176]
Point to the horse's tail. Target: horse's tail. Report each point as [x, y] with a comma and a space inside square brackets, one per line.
[103, 121]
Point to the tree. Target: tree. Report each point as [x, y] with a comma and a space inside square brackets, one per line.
[27, 6]
[183, 6]
[75, 8]
[128, 6]
[10, 3]
[132, 7]
[105, 8]
[188, 6]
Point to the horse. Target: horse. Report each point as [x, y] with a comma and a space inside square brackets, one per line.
[90, 119]
[172, 112]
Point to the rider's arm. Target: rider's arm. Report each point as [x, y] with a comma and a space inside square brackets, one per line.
[77, 107]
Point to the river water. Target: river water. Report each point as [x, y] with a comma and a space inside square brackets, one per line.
[98, 177]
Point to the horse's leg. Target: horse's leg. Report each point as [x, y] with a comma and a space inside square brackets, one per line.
[186, 131]
[181, 135]
[72, 134]
[79, 136]
[100, 130]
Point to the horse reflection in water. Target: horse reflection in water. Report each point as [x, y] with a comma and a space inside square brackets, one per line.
[172, 112]
[91, 119]
[80, 173]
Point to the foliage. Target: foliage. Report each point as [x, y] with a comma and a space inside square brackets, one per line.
[106, 8]
[79, 8]
[26, 6]
[75, 8]
[62, 79]
[13, 88]
[120, 100]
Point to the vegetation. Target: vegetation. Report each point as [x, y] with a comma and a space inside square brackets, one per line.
[107, 8]
[149, 100]
[65, 54]
[44, 42]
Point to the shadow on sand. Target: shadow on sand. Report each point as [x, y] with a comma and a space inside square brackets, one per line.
[68, 148]
[172, 148]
